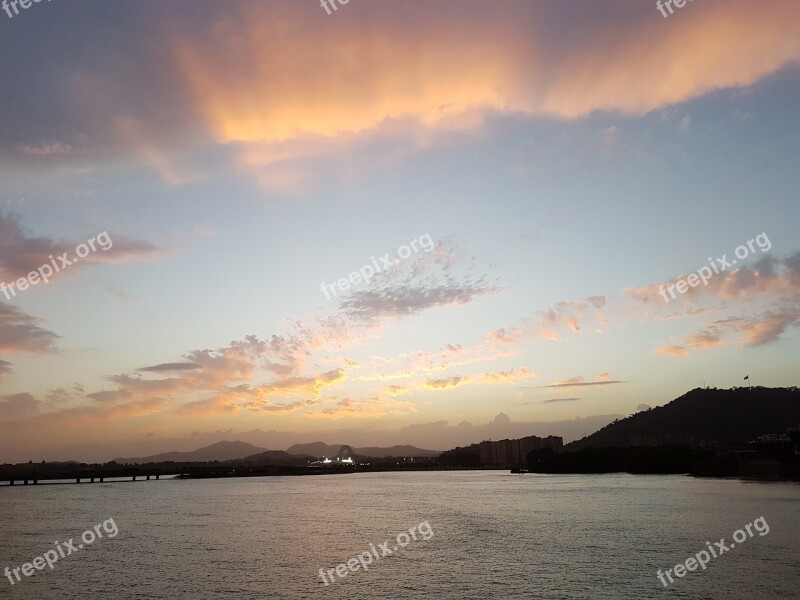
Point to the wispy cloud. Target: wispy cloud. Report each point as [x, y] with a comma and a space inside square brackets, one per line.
[21, 254]
[552, 400]
[19, 332]
[578, 381]
[491, 378]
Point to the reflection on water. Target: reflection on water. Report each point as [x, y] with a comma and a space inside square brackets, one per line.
[496, 535]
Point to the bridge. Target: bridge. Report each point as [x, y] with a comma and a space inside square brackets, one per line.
[21, 475]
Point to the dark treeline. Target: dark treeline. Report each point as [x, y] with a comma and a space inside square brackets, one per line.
[637, 460]
[468, 457]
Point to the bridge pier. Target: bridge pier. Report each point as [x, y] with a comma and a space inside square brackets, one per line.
[158, 476]
[101, 479]
[92, 481]
[26, 482]
[11, 481]
[77, 480]
[133, 478]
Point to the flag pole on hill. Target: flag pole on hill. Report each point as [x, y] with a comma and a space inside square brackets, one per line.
[747, 379]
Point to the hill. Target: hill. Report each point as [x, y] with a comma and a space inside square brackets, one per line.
[724, 416]
[319, 449]
[276, 457]
[220, 451]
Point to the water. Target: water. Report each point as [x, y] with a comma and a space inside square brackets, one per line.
[495, 535]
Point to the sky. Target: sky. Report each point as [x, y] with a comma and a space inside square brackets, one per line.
[389, 223]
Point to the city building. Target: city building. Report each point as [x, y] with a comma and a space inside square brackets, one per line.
[506, 453]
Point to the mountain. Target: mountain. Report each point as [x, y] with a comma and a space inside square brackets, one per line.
[316, 449]
[319, 449]
[726, 416]
[277, 457]
[220, 451]
[376, 452]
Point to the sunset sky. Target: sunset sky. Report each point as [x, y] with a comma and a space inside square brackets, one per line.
[564, 159]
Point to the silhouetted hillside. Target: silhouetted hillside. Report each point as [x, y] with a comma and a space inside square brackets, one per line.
[725, 416]
[320, 449]
[276, 457]
[220, 451]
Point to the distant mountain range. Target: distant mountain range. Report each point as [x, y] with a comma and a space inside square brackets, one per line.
[219, 451]
[725, 416]
[222, 451]
[319, 449]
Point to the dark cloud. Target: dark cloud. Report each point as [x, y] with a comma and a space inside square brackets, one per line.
[19, 332]
[176, 366]
[18, 406]
[405, 300]
[5, 368]
[21, 253]
[551, 400]
[581, 383]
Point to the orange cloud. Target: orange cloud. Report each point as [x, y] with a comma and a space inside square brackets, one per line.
[281, 85]
[396, 390]
[373, 408]
[547, 324]
[672, 350]
[445, 384]
[768, 293]
[493, 378]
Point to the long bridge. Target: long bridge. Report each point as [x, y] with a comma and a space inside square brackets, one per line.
[30, 474]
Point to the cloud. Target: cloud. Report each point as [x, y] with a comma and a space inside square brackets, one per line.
[445, 384]
[499, 377]
[18, 406]
[368, 305]
[19, 332]
[21, 254]
[769, 279]
[257, 398]
[548, 324]
[626, 61]
[5, 368]
[396, 390]
[170, 367]
[673, 350]
[552, 400]
[493, 378]
[372, 408]
[754, 305]
[231, 378]
[756, 330]
[387, 376]
[281, 92]
[58, 396]
[447, 69]
[578, 381]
